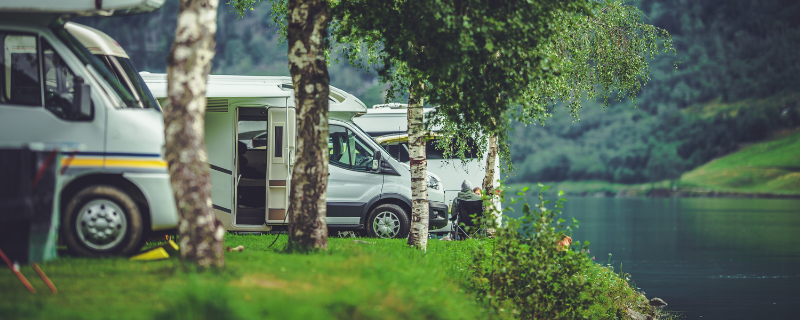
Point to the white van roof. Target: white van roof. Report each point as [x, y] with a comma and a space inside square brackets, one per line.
[342, 105]
[95, 40]
[83, 7]
[226, 86]
[386, 119]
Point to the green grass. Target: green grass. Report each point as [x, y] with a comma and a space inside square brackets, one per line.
[767, 167]
[382, 280]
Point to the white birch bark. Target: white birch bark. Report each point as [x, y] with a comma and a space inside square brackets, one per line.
[489, 177]
[418, 236]
[188, 66]
[308, 20]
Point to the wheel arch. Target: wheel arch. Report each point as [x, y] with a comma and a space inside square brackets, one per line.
[391, 198]
[115, 180]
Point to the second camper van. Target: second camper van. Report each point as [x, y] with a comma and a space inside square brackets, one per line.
[250, 133]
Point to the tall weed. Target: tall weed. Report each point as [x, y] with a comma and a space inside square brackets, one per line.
[522, 272]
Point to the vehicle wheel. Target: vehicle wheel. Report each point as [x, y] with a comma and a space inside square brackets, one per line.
[102, 221]
[388, 221]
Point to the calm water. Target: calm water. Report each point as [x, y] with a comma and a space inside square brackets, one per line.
[707, 258]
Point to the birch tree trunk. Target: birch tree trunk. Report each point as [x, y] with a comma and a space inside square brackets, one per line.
[491, 163]
[488, 183]
[188, 66]
[308, 20]
[419, 166]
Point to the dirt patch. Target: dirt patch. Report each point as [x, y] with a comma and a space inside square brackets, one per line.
[271, 282]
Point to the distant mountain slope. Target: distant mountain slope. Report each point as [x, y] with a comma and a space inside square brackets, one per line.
[772, 166]
[737, 83]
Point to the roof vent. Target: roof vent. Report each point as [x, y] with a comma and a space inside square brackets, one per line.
[390, 106]
[217, 105]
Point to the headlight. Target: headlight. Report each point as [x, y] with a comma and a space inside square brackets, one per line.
[433, 183]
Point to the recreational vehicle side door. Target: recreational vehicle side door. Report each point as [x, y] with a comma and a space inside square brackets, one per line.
[219, 132]
[281, 137]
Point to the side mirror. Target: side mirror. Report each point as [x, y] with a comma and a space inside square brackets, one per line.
[81, 100]
[376, 161]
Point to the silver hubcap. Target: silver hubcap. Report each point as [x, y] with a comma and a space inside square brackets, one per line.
[386, 225]
[101, 224]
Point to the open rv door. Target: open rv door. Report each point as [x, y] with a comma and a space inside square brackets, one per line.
[83, 7]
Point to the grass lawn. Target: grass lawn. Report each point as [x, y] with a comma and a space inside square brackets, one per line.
[382, 280]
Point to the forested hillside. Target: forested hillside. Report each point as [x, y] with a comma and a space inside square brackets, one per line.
[737, 82]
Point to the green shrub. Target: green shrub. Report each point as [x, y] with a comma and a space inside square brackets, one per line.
[522, 272]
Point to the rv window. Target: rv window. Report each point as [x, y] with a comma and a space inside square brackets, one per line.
[59, 85]
[362, 158]
[140, 88]
[338, 146]
[397, 151]
[278, 142]
[19, 63]
[349, 151]
[253, 133]
[87, 58]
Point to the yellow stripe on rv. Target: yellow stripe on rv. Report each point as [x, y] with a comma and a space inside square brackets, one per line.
[136, 163]
[127, 163]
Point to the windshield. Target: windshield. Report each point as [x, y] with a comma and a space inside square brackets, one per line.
[87, 58]
[126, 73]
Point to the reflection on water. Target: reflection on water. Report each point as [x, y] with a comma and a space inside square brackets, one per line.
[707, 257]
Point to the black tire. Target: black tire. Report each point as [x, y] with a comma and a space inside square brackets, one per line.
[102, 221]
[392, 222]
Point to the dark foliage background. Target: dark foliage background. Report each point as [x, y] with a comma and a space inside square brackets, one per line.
[736, 83]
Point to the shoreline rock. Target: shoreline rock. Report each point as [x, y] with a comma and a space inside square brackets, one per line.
[653, 307]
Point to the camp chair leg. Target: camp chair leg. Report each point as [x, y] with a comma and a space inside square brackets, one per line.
[17, 273]
[462, 231]
[44, 278]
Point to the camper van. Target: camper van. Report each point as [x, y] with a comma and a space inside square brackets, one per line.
[250, 133]
[115, 189]
[388, 125]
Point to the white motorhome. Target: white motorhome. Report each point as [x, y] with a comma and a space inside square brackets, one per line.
[115, 188]
[388, 124]
[250, 133]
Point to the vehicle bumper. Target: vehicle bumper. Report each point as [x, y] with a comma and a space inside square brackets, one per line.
[437, 215]
[158, 192]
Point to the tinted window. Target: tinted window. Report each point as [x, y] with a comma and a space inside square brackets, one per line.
[278, 142]
[19, 63]
[399, 150]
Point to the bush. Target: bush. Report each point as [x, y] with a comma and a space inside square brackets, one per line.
[522, 271]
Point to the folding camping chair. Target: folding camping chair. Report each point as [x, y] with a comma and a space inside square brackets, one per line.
[464, 211]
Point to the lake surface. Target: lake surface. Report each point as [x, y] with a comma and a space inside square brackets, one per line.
[709, 258]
